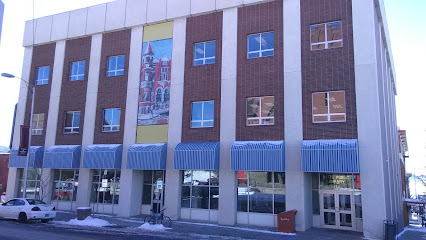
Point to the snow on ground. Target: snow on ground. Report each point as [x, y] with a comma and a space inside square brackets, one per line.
[89, 222]
[153, 227]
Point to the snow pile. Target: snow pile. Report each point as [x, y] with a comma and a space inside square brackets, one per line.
[89, 222]
[153, 227]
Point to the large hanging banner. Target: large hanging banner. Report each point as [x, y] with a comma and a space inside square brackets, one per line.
[155, 79]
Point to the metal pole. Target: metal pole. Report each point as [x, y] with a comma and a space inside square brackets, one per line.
[29, 143]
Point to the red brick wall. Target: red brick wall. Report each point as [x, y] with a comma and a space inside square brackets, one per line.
[43, 55]
[260, 76]
[4, 171]
[112, 91]
[202, 83]
[73, 93]
[328, 70]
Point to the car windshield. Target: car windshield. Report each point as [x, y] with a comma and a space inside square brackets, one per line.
[35, 202]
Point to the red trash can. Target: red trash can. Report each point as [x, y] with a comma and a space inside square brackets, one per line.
[286, 221]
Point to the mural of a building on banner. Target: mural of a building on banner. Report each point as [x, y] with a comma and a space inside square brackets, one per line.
[155, 79]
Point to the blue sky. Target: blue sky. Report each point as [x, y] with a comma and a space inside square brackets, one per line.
[406, 20]
[161, 48]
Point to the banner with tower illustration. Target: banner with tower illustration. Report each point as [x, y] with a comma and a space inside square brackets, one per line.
[155, 79]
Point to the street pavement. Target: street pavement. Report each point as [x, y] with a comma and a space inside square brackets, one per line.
[126, 229]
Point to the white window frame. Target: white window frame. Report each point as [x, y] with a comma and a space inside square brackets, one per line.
[72, 128]
[36, 130]
[164, 73]
[77, 76]
[43, 81]
[115, 70]
[326, 42]
[328, 109]
[260, 51]
[202, 121]
[111, 126]
[259, 118]
[204, 58]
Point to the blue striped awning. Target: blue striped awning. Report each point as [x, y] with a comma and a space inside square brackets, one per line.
[258, 156]
[197, 155]
[62, 157]
[332, 156]
[36, 158]
[103, 156]
[147, 156]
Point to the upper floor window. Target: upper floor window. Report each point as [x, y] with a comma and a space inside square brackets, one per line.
[202, 114]
[111, 121]
[165, 74]
[326, 35]
[77, 70]
[260, 45]
[115, 66]
[260, 111]
[204, 53]
[72, 122]
[43, 75]
[37, 124]
[328, 107]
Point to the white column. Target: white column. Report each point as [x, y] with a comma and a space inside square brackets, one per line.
[131, 181]
[228, 109]
[85, 175]
[173, 177]
[13, 177]
[368, 116]
[52, 116]
[298, 191]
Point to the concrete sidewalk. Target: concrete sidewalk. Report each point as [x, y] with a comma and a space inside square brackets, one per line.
[197, 230]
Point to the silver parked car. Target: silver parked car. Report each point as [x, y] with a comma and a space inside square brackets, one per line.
[24, 209]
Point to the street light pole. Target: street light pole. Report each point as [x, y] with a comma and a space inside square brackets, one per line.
[7, 75]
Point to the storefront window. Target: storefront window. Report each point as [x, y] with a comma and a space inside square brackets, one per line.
[33, 183]
[65, 183]
[105, 186]
[261, 192]
[150, 178]
[200, 189]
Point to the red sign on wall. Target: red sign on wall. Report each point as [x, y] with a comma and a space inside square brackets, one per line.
[23, 144]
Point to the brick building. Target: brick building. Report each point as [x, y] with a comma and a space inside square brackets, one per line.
[234, 110]
[4, 171]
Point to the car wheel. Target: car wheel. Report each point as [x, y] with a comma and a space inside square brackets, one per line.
[22, 217]
[45, 220]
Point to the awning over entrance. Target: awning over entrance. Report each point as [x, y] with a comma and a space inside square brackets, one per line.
[103, 156]
[197, 155]
[415, 201]
[332, 156]
[62, 157]
[258, 156]
[36, 158]
[147, 156]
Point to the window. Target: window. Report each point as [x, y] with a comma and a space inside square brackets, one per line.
[72, 122]
[204, 53]
[200, 189]
[43, 75]
[115, 66]
[77, 70]
[260, 111]
[260, 45]
[33, 183]
[328, 107]
[261, 192]
[111, 121]
[202, 114]
[105, 186]
[150, 178]
[38, 123]
[326, 35]
[164, 74]
[65, 182]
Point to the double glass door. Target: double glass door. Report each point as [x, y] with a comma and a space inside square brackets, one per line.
[337, 210]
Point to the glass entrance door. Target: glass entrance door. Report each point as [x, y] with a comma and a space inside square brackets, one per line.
[337, 209]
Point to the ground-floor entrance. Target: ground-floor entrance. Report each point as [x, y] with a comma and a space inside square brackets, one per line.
[337, 209]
